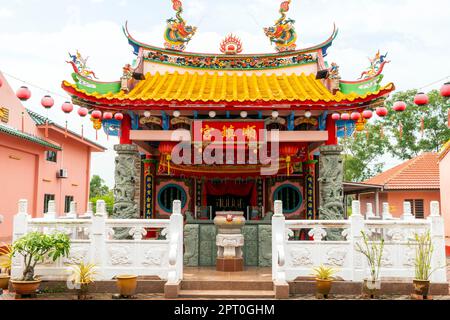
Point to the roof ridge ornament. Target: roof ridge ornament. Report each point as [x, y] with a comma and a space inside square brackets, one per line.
[79, 65]
[178, 34]
[376, 66]
[283, 33]
[231, 45]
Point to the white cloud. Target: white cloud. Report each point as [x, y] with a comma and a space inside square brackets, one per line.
[6, 13]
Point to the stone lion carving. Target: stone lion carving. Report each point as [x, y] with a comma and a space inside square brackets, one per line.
[301, 257]
[119, 256]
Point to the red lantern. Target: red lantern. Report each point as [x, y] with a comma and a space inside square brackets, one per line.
[107, 116]
[23, 93]
[97, 114]
[289, 150]
[67, 107]
[399, 106]
[165, 148]
[345, 116]
[118, 116]
[445, 90]
[421, 99]
[47, 102]
[382, 112]
[83, 112]
[355, 116]
[336, 116]
[367, 114]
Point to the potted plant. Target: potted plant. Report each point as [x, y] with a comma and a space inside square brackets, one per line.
[324, 280]
[5, 266]
[83, 275]
[422, 263]
[35, 247]
[373, 251]
[127, 285]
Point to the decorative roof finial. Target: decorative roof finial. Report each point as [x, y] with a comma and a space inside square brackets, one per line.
[283, 32]
[79, 65]
[178, 34]
[231, 45]
[376, 66]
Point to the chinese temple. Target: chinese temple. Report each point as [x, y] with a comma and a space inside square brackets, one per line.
[229, 131]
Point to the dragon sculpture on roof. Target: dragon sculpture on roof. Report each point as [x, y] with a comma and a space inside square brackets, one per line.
[178, 34]
[376, 66]
[283, 32]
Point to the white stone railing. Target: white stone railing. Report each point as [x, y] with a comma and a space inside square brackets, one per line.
[293, 259]
[92, 241]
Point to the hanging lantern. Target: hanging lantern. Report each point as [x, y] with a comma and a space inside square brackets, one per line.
[288, 150]
[336, 116]
[382, 112]
[360, 124]
[165, 148]
[47, 102]
[97, 115]
[367, 114]
[445, 90]
[107, 116]
[345, 116]
[355, 116]
[23, 93]
[399, 106]
[118, 116]
[421, 99]
[67, 108]
[83, 112]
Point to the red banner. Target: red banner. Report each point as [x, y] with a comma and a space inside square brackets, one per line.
[228, 131]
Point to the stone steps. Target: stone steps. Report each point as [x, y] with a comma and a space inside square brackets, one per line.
[230, 285]
[234, 294]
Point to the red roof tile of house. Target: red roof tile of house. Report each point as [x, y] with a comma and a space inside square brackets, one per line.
[420, 173]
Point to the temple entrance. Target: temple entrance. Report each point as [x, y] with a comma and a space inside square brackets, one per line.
[231, 196]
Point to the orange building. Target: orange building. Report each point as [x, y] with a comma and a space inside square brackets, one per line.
[39, 168]
[416, 180]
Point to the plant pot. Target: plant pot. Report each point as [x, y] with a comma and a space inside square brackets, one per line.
[372, 288]
[4, 281]
[323, 287]
[127, 285]
[421, 287]
[26, 288]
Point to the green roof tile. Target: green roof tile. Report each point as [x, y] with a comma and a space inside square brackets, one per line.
[25, 136]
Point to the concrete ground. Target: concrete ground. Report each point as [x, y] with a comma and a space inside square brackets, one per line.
[108, 296]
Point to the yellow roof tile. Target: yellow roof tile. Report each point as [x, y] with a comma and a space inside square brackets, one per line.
[194, 87]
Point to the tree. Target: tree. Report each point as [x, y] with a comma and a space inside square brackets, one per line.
[362, 152]
[98, 188]
[411, 142]
[400, 134]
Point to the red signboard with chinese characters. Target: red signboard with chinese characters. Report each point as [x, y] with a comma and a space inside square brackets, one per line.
[228, 131]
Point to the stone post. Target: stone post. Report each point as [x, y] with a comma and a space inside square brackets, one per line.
[407, 212]
[98, 240]
[127, 177]
[51, 211]
[279, 252]
[386, 212]
[356, 226]
[73, 210]
[20, 229]
[331, 187]
[438, 260]
[369, 212]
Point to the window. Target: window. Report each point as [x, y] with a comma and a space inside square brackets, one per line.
[67, 202]
[417, 208]
[51, 156]
[291, 197]
[168, 194]
[47, 198]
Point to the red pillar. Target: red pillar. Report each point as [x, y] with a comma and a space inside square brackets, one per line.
[125, 128]
[332, 132]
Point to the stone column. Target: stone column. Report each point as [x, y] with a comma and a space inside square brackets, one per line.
[126, 204]
[331, 186]
[331, 183]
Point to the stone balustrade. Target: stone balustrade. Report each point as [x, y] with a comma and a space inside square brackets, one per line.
[93, 241]
[292, 258]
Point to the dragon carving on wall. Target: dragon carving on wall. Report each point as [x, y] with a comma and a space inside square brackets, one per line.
[178, 34]
[283, 32]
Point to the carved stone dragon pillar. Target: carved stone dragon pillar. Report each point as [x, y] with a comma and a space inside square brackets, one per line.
[331, 186]
[126, 205]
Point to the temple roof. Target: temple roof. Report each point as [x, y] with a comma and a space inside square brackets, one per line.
[25, 136]
[214, 88]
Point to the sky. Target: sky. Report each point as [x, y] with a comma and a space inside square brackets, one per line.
[36, 36]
